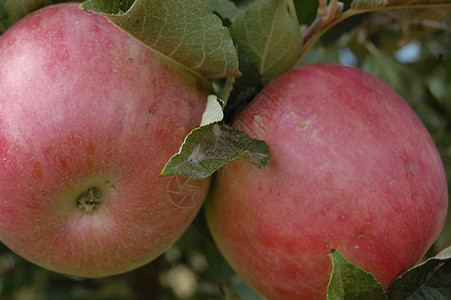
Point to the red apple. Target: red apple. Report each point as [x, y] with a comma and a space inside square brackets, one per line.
[88, 118]
[352, 168]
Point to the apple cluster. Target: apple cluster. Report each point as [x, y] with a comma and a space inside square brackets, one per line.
[89, 116]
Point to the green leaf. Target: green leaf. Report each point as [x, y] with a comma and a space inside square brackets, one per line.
[185, 31]
[389, 4]
[108, 7]
[352, 282]
[225, 8]
[428, 280]
[209, 147]
[270, 35]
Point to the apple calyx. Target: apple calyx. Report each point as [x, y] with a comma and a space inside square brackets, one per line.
[90, 200]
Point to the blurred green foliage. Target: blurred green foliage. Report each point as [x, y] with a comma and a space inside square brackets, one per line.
[409, 49]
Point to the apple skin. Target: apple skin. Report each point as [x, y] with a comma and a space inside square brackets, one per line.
[85, 108]
[352, 169]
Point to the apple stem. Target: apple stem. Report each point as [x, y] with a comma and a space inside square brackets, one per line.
[89, 200]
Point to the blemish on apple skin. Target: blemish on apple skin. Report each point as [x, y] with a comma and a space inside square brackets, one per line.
[258, 119]
[303, 125]
[107, 182]
[410, 166]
